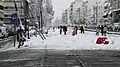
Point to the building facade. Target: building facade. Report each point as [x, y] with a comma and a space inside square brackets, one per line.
[1, 11]
[65, 17]
[99, 12]
[71, 13]
[76, 12]
[112, 12]
[9, 8]
[115, 12]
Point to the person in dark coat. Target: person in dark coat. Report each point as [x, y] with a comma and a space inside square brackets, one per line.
[76, 29]
[21, 38]
[105, 30]
[102, 30]
[65, 30]
[60, 29]
[82, 29]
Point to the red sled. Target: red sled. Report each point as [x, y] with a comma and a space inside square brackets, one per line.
[102, 40]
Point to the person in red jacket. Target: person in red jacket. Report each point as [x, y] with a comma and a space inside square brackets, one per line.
[74, 31]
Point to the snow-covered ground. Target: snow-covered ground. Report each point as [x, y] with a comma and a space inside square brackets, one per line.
[85, 41]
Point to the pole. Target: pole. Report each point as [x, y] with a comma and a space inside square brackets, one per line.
[86, 14]
[41, 16]
[14, 35]
[14, 24]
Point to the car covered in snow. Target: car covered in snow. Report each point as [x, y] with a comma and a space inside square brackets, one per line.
[3, 32]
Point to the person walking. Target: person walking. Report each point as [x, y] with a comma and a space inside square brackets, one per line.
[82, 29]
[20, 34]
[60, 30]
[76, 29]
[102, 30]
[105, 30]
[65, 30]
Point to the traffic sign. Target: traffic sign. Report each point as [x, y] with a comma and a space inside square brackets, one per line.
[15, 18]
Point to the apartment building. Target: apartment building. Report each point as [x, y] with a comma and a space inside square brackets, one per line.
[99, 12]
[71, 13]
[115, 12]
[74, 13]
[1, 11]
[112, 12]
[9, 8]
[64, 17]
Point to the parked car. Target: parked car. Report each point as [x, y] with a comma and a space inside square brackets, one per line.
[3, 32]
[11, 33]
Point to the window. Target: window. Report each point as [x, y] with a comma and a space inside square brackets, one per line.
[6, 7]
[106, 7]
[1, 18]
[1, 7]
[9, 7]
[0, 30]
[7, 15]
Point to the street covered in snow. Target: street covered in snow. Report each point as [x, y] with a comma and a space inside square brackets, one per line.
[85, 41]
[59, 33]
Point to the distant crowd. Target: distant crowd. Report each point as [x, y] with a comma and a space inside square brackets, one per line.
[103, 29]
[74, 32]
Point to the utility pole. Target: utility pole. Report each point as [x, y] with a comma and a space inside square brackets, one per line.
[15, 23]
[86, 13]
